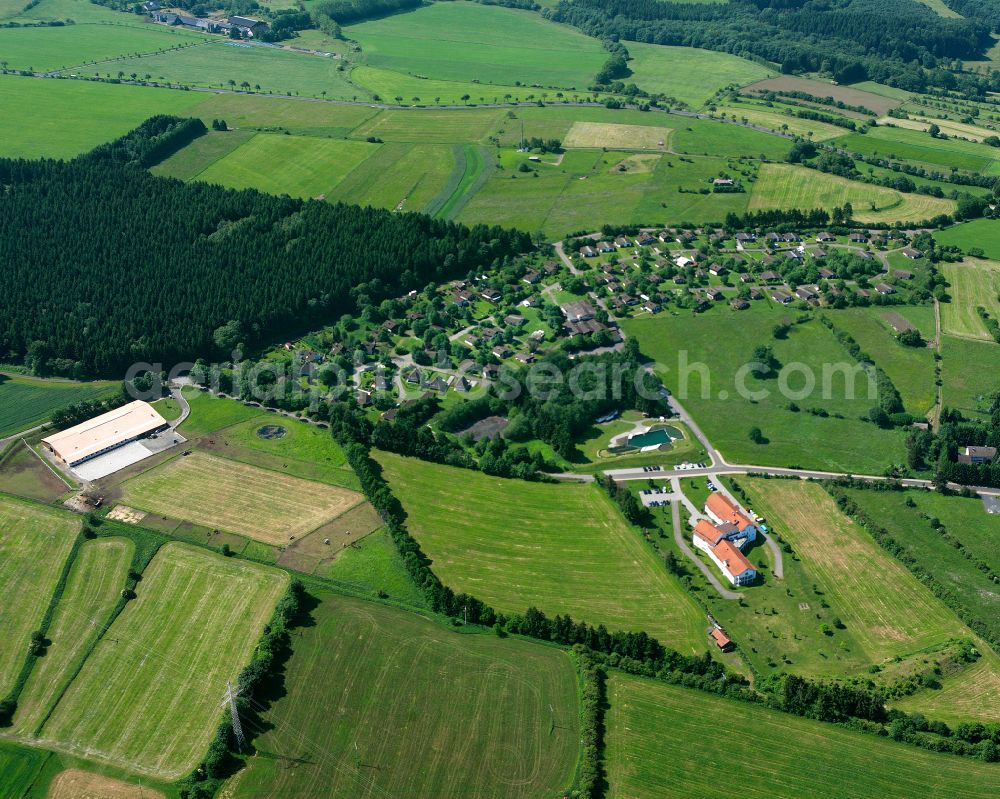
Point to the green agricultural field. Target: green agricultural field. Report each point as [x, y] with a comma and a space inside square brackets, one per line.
[964, 520]
[79, 11]
[35, 543]
[210, 414]
[29, 401]
[563, 549]
[223, 494]
[46, 49]
[911, 369]
[709, 137]
[96, 579]
[19, 768]
[420, 711]
[913, 145]
[301, 166]
[394, 87]
[973, 284]
[190, 161]
[432, 126]
[220, 63]
[786, 186]
[25, 474]
[718, 343]
[881, 604]
[488, 44]
[297, 117]
[981, 233]
[790, 757]
[689, 74]
[969, 370]
[165, 662]
[373, 564]
[774, 120]
[473, 167]
[970, 694]
[63, 118]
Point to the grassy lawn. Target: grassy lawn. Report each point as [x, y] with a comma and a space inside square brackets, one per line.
[969, 372]
[420, 711]
[218, 493]
[786, 186]
[973, 283]
[63, 118]
[561, 548]
[431, 126]
[24, 474]
[168, 408]
[29, 401]
[196, 614]
[911, 369]
[790, 757]
[373, 564]
[880, 603]
[982, 233]
[92, 591]
[724, 340]
[689, 74]
[210, 414]
[488, 44]
[301, 166]
[34, 545]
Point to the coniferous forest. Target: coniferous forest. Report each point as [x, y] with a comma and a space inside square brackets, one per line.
[105, 265]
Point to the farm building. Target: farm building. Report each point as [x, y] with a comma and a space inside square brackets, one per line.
[105, 433]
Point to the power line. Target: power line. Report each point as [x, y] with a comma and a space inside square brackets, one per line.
[234, 713]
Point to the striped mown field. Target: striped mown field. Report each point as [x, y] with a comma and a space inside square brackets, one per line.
[560, 548]
[972, 283]
[384, 703]
[148, 697]
[666, 741]
[34, 544]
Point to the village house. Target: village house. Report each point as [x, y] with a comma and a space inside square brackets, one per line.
[977, 455]
[491, 295]
[781, 297]
[605, 247]
[531, 277]
[588, 252]
[577, 311]
[884, 288]
[739, 304]
[622, 242]
[911, 252]
[822, 237]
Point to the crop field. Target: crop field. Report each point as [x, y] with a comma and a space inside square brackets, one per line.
[46, 49]
[96, 579]
[76, 784]
[687, 73]
[489, 44]
[220, 63]
[884, 606]
[756, 115]
[912, 145]
[147, 698]
[786, 186]
[78, 10]
[19, 767]
[301, 166]
[911, 369]
[973, 283]
[28, 401]
[300, 118]
[879, 103]
[419, 710]
[947, 126]
[431, 126]
[224, 494]
[34, 544]
[63, 118]
[394, 87]
[563, 549]
[190, 161]
[708, 137]
[790, 757]
[966, 389]
[617, 137]
[981, 233]
[722, 341]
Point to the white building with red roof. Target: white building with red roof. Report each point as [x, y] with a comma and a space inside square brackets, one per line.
[724, 535]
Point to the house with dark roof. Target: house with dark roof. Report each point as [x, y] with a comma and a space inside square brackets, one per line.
[977, 455]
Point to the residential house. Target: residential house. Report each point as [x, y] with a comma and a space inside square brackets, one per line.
[912, 253]
[531, 277]
[884, 288]
[977, 455]
[739, 304]
[491, 295]
[578, 311]
[588, 252]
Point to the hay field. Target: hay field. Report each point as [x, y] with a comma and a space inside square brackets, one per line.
[96, 579]
[660, 742]
[76, 784]
[973, 283]
[971, 694]
[817, 131]
[222, 494]
[35, 542]
[384, 703]
[884, 606]
[913, 145]
[786, 186]
[880, 104]
[617, 137]
[147, 699]
[560, 548]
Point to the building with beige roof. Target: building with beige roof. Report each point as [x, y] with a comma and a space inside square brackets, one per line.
[105, 433]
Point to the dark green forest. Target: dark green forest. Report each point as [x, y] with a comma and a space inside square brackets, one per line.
[105, 265]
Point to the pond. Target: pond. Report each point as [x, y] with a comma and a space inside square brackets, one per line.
[653, 438]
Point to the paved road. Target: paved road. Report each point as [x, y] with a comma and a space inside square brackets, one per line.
[679, 537]
[177, 392]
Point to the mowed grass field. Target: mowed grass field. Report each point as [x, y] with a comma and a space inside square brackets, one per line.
[715, 744]
[914, 145]
[613, 136]
[462, 41]
[689, 74]
[971, 694]
[93, 588]
[773, 120]
[716, 344]
[965, 388]
[19, 767]
[884, 607]
[29, 401]
[564, 549]
[973, 283]
[380, 702]
[981, 233]
[786, 186]
[147, 698]
[236, 497]
[34, 544]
